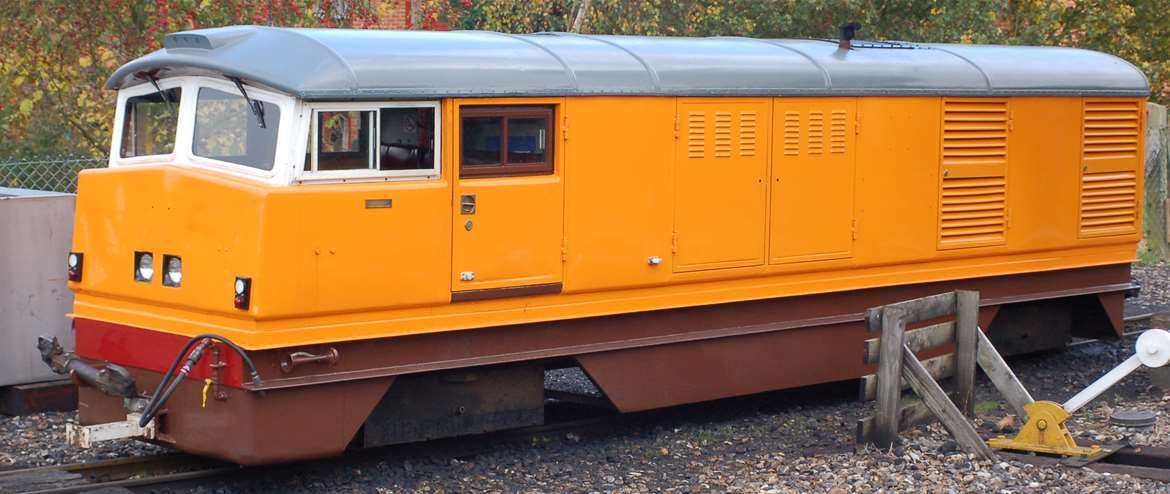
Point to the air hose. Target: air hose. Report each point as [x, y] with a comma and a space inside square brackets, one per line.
[167, 385]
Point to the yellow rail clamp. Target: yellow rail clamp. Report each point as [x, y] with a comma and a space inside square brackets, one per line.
[1045, 432]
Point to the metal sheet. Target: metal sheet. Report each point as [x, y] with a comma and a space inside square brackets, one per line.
[36, 230]
[323, 64]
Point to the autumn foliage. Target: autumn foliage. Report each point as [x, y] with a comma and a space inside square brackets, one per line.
[58, 53]
[1131, 29]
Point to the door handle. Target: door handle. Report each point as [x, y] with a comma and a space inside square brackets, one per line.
[467, 204]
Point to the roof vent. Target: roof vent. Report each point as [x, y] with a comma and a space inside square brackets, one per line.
[186, 40]
[847, 32]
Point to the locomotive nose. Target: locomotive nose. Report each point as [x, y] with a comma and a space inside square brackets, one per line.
[165, 235]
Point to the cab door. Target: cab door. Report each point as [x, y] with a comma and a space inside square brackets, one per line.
[508, 194]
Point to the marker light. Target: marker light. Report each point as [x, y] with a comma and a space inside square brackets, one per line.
[75, 261]
[173, 271]
[243, 290]
[143, 267]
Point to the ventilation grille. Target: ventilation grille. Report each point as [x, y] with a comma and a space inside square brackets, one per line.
[972, 212]
[837, 133]
[975, 133]
[816, 132]
[973, 195]
[791, 133]
[1108, 203]
[1111, 129]
[747, 133]
[696, 134]
[726, 138]
[722, 134]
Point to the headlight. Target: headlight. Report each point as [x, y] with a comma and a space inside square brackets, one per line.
[75, 261]
[243, 293]
[143, 267]
[173, 274]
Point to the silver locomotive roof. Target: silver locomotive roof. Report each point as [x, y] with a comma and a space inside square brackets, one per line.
[339, 64]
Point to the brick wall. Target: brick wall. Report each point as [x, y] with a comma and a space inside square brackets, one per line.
[394, 14]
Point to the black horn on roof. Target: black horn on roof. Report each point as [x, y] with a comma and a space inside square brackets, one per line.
[847, 32]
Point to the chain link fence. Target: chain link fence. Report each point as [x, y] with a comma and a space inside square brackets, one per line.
[52, 174]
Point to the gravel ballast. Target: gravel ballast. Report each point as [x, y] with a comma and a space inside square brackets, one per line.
[790, 441]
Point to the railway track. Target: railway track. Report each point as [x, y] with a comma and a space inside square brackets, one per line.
[179, 470]
[570, 413]
[125, 473]
[1147, 462]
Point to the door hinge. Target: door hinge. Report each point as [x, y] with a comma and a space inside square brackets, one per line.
[565, 128]
[676, 126]
[856, 123]
[674, 242]
[1011, 120]
[564, 249]
[1007, 218]
[854, 228]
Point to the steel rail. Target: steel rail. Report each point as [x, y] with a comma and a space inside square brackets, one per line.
[148, 473]
[1147, 462]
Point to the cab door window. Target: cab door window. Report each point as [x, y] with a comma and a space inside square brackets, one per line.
[506, 141]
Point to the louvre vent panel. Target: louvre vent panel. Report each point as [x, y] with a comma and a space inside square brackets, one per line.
[791, 133]
[1111, 129]
[722, 134]
[747, 133]
[973, 195]
[973, 212]
[816, 132]
[837, 133]
[975, 132]
[696, 134]
[1109, 203]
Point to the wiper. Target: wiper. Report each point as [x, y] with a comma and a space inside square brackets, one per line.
[166, 97]
[256, 106]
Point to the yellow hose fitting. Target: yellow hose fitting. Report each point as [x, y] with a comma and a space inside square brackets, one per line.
[206, 388]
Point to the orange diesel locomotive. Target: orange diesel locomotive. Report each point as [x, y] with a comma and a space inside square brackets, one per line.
[312, 239]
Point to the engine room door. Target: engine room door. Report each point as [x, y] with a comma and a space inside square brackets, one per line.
[508, 202]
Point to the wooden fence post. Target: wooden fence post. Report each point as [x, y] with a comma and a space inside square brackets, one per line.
[966, 341]
[889, 374]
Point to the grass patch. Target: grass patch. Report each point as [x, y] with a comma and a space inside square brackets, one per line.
[986, 407]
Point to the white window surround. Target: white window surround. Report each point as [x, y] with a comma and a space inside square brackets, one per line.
[308, 121]
[286, 141]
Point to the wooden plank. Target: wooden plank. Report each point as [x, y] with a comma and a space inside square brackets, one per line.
[966, 345]
[920, 339]
[910, 414]
[938, 402]
[1002, 377]
[50, 396]
[873, 319]
[940, 367]
[890, 376]
[925, 308]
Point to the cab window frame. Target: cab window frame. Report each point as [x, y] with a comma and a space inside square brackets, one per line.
[124, 96]
[505, 168]
[182, 154]
[308, 171]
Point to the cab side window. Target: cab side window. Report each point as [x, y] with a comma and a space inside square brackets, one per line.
[381, 141]
[406, 138]
[506, 141]
[343, 140]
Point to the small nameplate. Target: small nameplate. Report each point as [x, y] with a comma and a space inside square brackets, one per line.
[379, 203]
